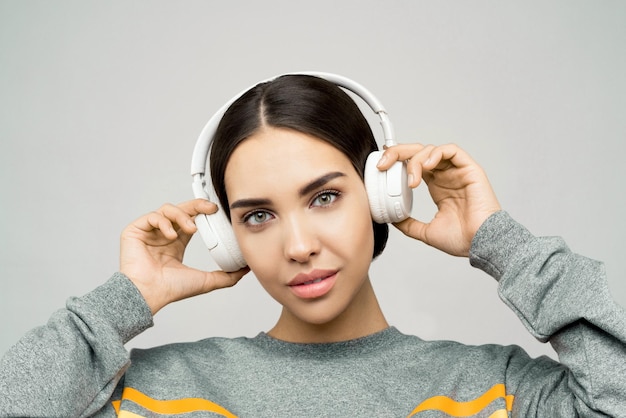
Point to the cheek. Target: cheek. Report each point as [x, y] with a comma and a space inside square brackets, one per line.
[350, 233]
[260, 250]
[264, 256]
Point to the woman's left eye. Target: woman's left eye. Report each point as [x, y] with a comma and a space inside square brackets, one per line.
[325, 198]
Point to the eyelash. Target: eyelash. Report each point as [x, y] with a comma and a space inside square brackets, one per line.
[248, 216]
[330, 192]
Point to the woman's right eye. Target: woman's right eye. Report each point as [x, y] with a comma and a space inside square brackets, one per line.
[257, 218]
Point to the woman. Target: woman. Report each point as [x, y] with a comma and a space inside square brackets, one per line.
[287, 164]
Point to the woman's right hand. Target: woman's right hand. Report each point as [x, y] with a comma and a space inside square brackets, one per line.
[151, 255]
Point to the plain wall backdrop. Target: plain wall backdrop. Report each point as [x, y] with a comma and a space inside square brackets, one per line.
[101, 104]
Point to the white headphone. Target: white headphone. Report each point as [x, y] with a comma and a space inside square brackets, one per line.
[390, 197]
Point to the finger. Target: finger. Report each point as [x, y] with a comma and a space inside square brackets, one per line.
[170, 218]
[412, 228]
[179, 219]
[400, 152]
[220, 279]
[156, 221]
[413, 154]
[444, 156]
[414, 166]
[435, 155]
[198, 206]
[184, 215]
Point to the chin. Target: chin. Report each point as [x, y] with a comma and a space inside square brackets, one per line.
[319, 315]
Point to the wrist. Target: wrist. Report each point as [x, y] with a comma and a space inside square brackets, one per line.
[152, 298]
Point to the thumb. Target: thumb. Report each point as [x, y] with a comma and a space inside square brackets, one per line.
[219, 279]
[412, 228]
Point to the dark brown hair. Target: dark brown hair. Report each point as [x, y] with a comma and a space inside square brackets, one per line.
[307, 104]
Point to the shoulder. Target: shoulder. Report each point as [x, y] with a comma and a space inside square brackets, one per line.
[214, 347]
[449, 355]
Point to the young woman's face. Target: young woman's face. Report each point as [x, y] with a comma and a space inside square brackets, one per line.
[301, 216]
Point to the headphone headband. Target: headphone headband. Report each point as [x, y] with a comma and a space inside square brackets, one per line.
[201, 149]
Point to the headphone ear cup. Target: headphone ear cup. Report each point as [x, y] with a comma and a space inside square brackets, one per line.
[219, 237]
[390, 197]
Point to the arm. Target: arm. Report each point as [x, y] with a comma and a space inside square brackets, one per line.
[72, 365]
[560, 297]
[563, 298]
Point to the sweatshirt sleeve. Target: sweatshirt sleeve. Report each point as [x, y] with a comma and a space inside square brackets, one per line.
[71, 366]
[563, 298]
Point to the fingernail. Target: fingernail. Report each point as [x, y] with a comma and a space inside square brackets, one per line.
[410, 179]
[382, 161]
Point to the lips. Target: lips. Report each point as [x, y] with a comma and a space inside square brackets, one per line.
[312, 285]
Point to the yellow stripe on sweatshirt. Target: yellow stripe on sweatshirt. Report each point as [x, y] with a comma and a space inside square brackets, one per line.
[175, 406]
[465, 409]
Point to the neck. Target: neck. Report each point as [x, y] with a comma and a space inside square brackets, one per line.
[361, 318]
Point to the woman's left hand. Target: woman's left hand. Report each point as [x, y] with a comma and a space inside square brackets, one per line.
[458, 186]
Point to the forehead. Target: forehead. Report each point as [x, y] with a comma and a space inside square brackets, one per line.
[278, 157]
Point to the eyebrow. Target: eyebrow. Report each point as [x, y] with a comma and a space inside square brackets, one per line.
[319, 182]
[303, 191]
[246, 203]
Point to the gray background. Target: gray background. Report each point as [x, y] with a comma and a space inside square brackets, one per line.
[101, 103]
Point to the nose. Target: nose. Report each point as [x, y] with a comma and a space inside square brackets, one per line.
[301, 241]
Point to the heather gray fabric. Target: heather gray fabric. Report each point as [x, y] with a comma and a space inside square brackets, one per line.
[76, 365]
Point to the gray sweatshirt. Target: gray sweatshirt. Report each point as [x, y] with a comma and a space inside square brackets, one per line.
[77, 365]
